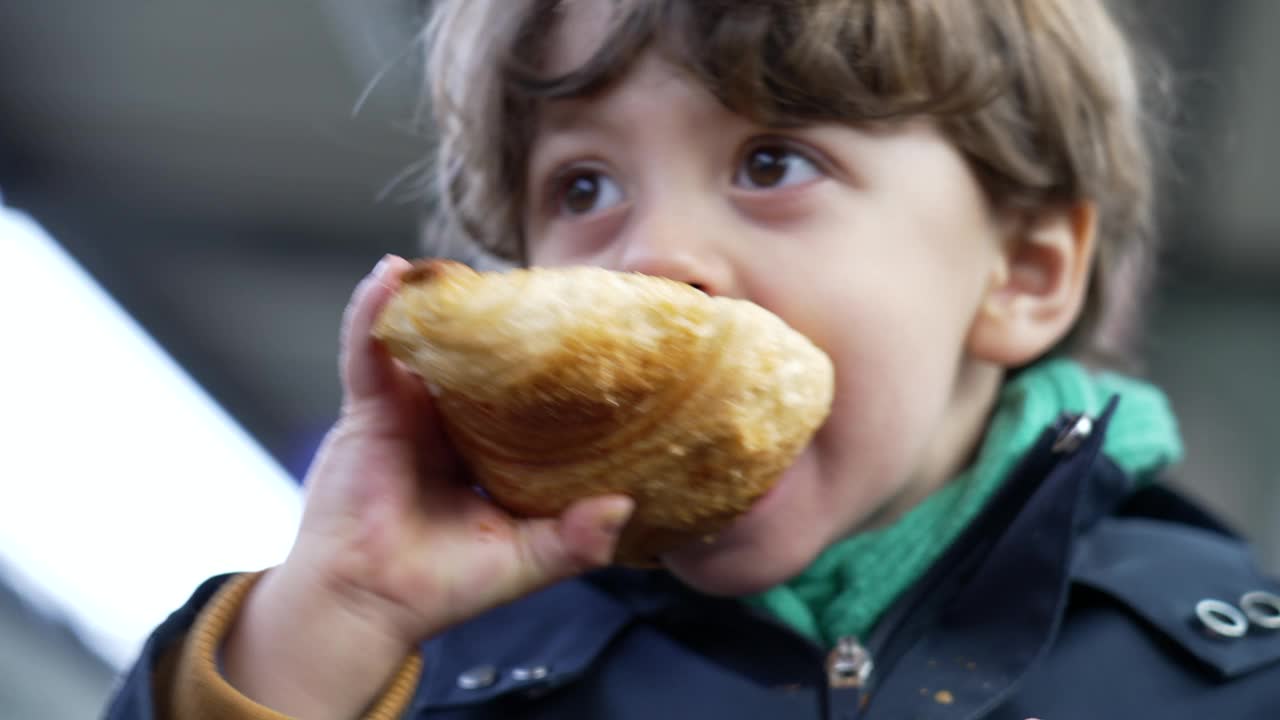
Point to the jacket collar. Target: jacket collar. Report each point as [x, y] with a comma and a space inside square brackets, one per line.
[1007, 577]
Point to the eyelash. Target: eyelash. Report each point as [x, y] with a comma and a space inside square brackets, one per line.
[560, 183]
[788, 148]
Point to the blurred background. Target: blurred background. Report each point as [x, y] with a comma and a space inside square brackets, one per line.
[228, 171]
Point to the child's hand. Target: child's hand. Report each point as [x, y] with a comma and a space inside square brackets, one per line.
[394, 545]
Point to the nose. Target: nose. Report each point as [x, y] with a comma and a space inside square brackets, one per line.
[673, 245]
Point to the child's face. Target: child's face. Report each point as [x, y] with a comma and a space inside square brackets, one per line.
[876, 244]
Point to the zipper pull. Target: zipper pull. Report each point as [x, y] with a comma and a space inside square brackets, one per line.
[849, 665]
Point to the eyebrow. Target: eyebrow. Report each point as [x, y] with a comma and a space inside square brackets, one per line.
[563, 116]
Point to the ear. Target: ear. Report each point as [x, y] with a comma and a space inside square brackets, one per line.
[1038, 285]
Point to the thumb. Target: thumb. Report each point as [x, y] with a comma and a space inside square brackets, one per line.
[583, 538]
[367, 370]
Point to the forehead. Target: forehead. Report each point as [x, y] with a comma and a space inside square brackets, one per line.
[577, 31]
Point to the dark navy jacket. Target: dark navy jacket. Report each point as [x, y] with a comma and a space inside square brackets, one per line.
[1070, 598]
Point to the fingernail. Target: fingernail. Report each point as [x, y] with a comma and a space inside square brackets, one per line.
[615, 516]
[380, 270]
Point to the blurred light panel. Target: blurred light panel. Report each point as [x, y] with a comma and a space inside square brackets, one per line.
[122, 484]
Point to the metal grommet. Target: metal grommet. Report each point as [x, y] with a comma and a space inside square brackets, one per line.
[481, 676]
[529, 674]
[1262, 608]
[1221, 619]
[1072, 437]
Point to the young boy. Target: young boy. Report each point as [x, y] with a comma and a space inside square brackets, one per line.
[938, 194]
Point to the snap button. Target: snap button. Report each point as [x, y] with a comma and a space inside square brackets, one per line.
[481, 676]
[528, 674]
[1072, 437]
[1221, 619]
[1263, 608]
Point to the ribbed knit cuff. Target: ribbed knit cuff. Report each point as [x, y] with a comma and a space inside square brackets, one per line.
[200, 692]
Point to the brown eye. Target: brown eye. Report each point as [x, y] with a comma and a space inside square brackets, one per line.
[588, 192]
[770, 167]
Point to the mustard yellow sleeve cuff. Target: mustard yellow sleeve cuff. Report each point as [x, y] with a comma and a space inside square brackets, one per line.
[195, 690]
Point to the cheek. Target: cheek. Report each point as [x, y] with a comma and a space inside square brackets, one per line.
[893, 364]
[894, 324]
[877, 308]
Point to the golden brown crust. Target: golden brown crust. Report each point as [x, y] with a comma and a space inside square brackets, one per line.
[559, 384]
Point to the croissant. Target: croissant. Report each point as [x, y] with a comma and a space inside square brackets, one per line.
[560, 384]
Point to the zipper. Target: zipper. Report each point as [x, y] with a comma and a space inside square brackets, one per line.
[849, 667]
[849, 664]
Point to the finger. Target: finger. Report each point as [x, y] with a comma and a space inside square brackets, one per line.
[367, 370]
[583, 538]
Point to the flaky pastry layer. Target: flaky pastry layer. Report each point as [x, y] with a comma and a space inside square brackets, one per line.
[562, 383]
